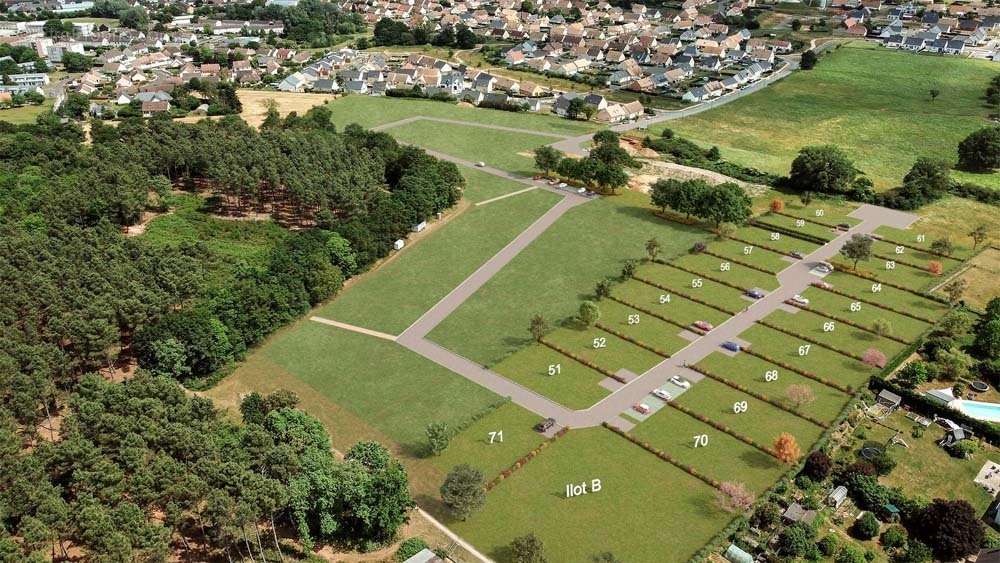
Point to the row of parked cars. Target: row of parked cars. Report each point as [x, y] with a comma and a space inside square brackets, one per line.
[643, 408]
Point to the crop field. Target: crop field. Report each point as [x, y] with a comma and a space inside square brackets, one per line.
[769, 260]
[871, 102]
[574, 385]
[767, 238]
[693, 286]
[842, 337]
[888, 296]
[839, 306]
[642, 504]
[505, 150]
[369, 111]
[727, 271]
[780, 347]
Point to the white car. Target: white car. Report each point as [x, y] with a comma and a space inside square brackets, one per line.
[800, 300]
[642, 408]
[480, 164]
[562, 184]
[680, 382]
[660, 393]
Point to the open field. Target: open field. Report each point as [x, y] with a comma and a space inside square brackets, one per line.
[727, 271]
[255, 103]
[481, 186]
[802, 226]
[603, 349]
[369, 111]
[555, 272]
[843, 336]
[886, 268]
[915, 241]
[829, 211]
[871, 102]
[955, 217]
[783, 348]
[25, 114]
[500, 149]
[575, 385]
[643, 505]
[982, 278]
[390, 299]
[473, 445]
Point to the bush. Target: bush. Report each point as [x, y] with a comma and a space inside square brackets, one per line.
[409, 548]
[866, 527]
[963, 449]
[883, 463]
[894, 537]
[828, 545]
[850, 554]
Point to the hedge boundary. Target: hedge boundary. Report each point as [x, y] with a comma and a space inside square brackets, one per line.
[871, 277]
[709, 277]
[723, 428]
[685, 296]
[521, 461]
[584, 361]
[874, 304]
[690, 470]
[649, 312]
[806, 219]
[764, 246]
[840, 319]
[809, 339]
[923, 249]
[740, 262]
[631, 340]
[758, 396]
[760, 224]
[807, 374]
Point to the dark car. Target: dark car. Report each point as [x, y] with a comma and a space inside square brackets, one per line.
[755, 292]
[544, 425]
[731, 346]
[798, 255]
[843, 226]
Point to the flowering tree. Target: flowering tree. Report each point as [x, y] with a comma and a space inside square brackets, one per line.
[800, 395]
[733, 497]
[777, 205]
[935, 267]
[874, 358]
[786, 448]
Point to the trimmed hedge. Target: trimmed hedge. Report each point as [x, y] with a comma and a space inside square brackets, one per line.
[903, 262]
[915, 247]
[759, 245]
[840, 319]
[664, 456]
[807, 374]
[685, 296]
[524, 459]
[871, 277]
[723, 428]
[786, 231]
[583, 361]
[758, 396]
[631, 340]
[806, 219]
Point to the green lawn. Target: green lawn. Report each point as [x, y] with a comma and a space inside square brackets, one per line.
[915, 240]
[870, 101]
[678, 309]
[647, 510]
[724, 458]
[761, 421]
[889, 270]
[492, 454]
[802, 226]
[839, 306]
[575, 385]
[645, 328]
[843, 336]
[603, 348]
[551, 276]
[694, 285]
[25, 114]
[370, 111]
[749, 371]
[760, 257]
[830, 211]
[481, 186]
[763, 236]
[818, 360]
[727, 271]
[505, 150]
[889, 296]
[918, 258]
[394, 296]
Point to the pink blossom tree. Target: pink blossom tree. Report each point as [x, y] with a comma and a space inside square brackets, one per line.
[874, 358]
[734, 497]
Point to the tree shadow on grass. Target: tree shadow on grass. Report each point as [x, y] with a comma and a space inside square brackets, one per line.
[646, 215]
[757, 459]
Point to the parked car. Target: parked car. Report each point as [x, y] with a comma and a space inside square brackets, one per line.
[703, 325]
[680, 382]
[562, 184]
[660, 393]
[843, 226]
[797, 255]
[480, 164]
[582, 191]
[755, 292]
[822, 284]
[800, 300]
[731, 346]
[824, 267]
[544, 425]
[642, 408]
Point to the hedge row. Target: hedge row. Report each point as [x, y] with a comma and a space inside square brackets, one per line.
[740, 262]
[584, 361]
[692, 328]
[806, 219]
[871, 277]
[790, 232]
[840, 319]
[807, 374]
[723, 428]
[758, 396]
[631, 340]
[764, 246]
[685, 296]
[524, 459]
[664, 456]
[809, 339]
[874, 304]
[700, 274]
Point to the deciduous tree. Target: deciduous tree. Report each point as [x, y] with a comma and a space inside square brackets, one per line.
[463, 491]
[786, 448]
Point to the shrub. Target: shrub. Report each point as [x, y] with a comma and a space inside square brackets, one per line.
[409, 548]
[850, 554]
[828, 545]
[817, 466]
[963, 449]
[777, 205]
[866, 527]
[935, 267]
[894, 537]
[883, 463]
[698, 248]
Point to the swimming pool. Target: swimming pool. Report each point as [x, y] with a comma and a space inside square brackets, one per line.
[979, 410]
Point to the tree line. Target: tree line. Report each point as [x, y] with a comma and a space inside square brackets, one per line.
[393, 32]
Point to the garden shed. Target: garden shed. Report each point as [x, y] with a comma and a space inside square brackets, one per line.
[888, 399]
[797, 513]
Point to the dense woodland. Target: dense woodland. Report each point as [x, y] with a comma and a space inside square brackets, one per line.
[135, 469]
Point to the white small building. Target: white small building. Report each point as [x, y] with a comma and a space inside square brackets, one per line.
[399, 244]
[419, 226]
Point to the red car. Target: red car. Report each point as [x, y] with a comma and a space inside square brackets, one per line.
[703, 325]
[642, 408]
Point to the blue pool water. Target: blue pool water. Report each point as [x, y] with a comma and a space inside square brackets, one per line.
[980, 410]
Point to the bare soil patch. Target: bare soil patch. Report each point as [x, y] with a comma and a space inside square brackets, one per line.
[653, 170]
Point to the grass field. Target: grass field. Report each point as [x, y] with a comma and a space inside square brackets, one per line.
[500, 149]
[829, 211]
[555, 272]
[843, 336]
[871, 102]
[25, 114]
[763, 236]
[369, 111]
[575, 385]
[644, 328]
[474, 446]
[678, 309]
[802, 226]
[839, 306]
[612, 353]
[889, 296]
[981, 277]
[480, 186]
[643, 505]
[403, 289]
[783, 348]
[760, 257]
[727, 271]
[724, 458]
[709, 291]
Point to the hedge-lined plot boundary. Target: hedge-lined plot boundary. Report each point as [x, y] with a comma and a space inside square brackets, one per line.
[649, 312]
[807, 374]
[631, 340]
[809, 339]
[524, 459]
[740, 262]
[583, 361]
[840, 319]
[760, 245]
[690, 470]
[764, 225]
[685, 296]
[806, 219]
[723, 428]
[874, 304]
[742, 290]
[843, 268]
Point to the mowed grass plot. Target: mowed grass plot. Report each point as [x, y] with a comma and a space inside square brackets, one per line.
[677, 309]
[727, 271]
[602, 348]
[724, 458]
[916, 241]
[640, 326]
[555, 272]
[825, 363]
[400, 291]
[750, 254]
[839, 306]
[870, 101]
[647, 510]
[749, 371]
[843, 337]
[370, 111]
[569, 383]
[895, 272]
[26, 114]
[915, 258]
[829, 211]
[505, 150]
[760, 422]
[492, 453]
[800, 226]
[886, 295]
[693, 285]
[481, 186]
[772, 239]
